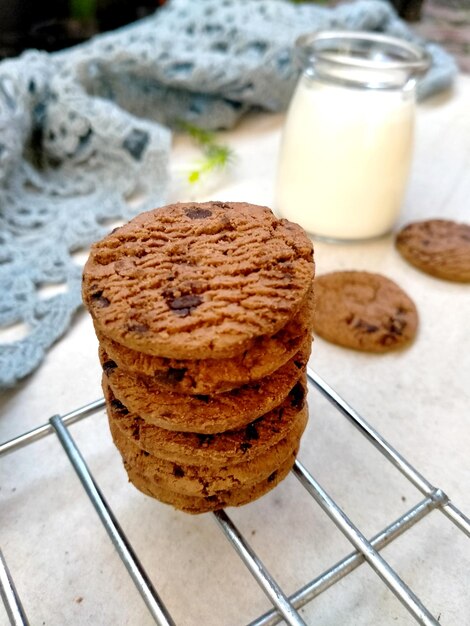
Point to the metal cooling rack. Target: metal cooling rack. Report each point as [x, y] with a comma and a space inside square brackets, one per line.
[284, 607]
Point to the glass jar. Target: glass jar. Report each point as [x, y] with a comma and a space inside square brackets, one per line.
[347, 141]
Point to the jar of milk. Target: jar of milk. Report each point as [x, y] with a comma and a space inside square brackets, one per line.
[347, 141]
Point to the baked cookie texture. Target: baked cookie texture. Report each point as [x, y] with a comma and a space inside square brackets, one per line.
[206, 376]
[363, 311]
[232, 446]
[204, 413]
[204, 315]
[440, 248]
[196, 281]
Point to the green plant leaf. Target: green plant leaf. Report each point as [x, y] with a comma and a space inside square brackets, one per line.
[215, 155]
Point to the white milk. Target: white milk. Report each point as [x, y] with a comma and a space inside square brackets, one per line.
[345, 159]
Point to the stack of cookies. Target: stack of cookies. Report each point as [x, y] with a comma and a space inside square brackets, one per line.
[203, 312]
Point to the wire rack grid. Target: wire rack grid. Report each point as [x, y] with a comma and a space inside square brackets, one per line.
[284, 607]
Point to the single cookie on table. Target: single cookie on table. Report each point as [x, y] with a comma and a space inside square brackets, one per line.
[205, 414]
[363, 311]
[438, 247]
[201, 480]
[231, 447]
[203, 504]
[208, 376]
[197, 281]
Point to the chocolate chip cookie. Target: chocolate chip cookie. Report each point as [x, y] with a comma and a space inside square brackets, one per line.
[201, 480]
[363, 311]
[438, 247]
[205, 503]
[208, 376]
[217, 450]
[197, 281]
[203, 413]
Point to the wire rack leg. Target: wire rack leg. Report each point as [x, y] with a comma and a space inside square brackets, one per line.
[116, 534]
[359, 541]
[251, 560]
[10, 596]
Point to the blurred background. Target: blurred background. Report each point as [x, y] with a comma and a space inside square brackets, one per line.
[57, 24]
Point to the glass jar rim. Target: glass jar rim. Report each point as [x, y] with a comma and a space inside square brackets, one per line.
[320, 46]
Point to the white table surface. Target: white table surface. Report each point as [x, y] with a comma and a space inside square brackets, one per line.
[63, 563]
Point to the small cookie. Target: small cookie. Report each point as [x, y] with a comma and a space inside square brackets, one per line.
[198, 280]
[363, 311]
[204, 413]
[208, 376]
[234, 446]
[203, 504]
[438, 247]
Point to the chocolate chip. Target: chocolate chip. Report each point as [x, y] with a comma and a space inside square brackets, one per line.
[396, 326]
[363, 325]
[205, 440]
[203, 398]
[251, 432]
[119, 407]
[175, 375]
[137, 328]
[136, 429]
[388, 340]
[297, 396]
[178, 471]
[198, 214]
[109, 366]
[144, 453]
[182, 305]
[272, 476]
[184, 302]
[99, 300]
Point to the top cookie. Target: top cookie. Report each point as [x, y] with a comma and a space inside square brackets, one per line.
[192, 281]
[438, 247]
[363, 311]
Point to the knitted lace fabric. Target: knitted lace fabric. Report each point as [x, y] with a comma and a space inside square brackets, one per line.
[84, 129]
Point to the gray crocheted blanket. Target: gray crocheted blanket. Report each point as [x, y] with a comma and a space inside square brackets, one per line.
[83, 129]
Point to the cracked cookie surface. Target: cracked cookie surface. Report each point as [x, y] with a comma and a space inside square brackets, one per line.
[363, 311]
[440, 248]
[198, 280]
